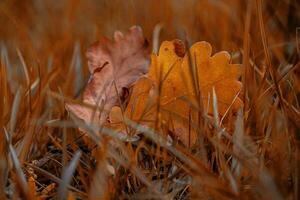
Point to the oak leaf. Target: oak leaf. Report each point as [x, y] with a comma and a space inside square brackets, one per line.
[169, 83]
[115, 65]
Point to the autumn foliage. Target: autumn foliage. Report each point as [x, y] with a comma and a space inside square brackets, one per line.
[153, 99]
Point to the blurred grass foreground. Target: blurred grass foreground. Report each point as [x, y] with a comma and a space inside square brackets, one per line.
[43, 155]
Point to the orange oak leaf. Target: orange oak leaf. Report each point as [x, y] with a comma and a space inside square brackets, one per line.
[212, 72]
[215, 71]
[164, 71]
[170, 85]
[114, 66]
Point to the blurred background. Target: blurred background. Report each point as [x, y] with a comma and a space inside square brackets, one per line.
[47, 32]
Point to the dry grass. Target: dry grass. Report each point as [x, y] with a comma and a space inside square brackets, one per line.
[44, 156]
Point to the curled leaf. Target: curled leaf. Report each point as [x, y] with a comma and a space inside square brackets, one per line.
[115, 65]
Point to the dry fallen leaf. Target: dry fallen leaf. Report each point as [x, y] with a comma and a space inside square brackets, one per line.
[114, 66]
[216, 71]
[170, 79]
[164, 71]
[212, 72]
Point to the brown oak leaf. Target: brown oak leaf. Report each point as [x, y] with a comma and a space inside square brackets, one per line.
[115, 65]
[170, 75]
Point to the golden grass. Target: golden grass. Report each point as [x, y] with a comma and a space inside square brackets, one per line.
[253, 155]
